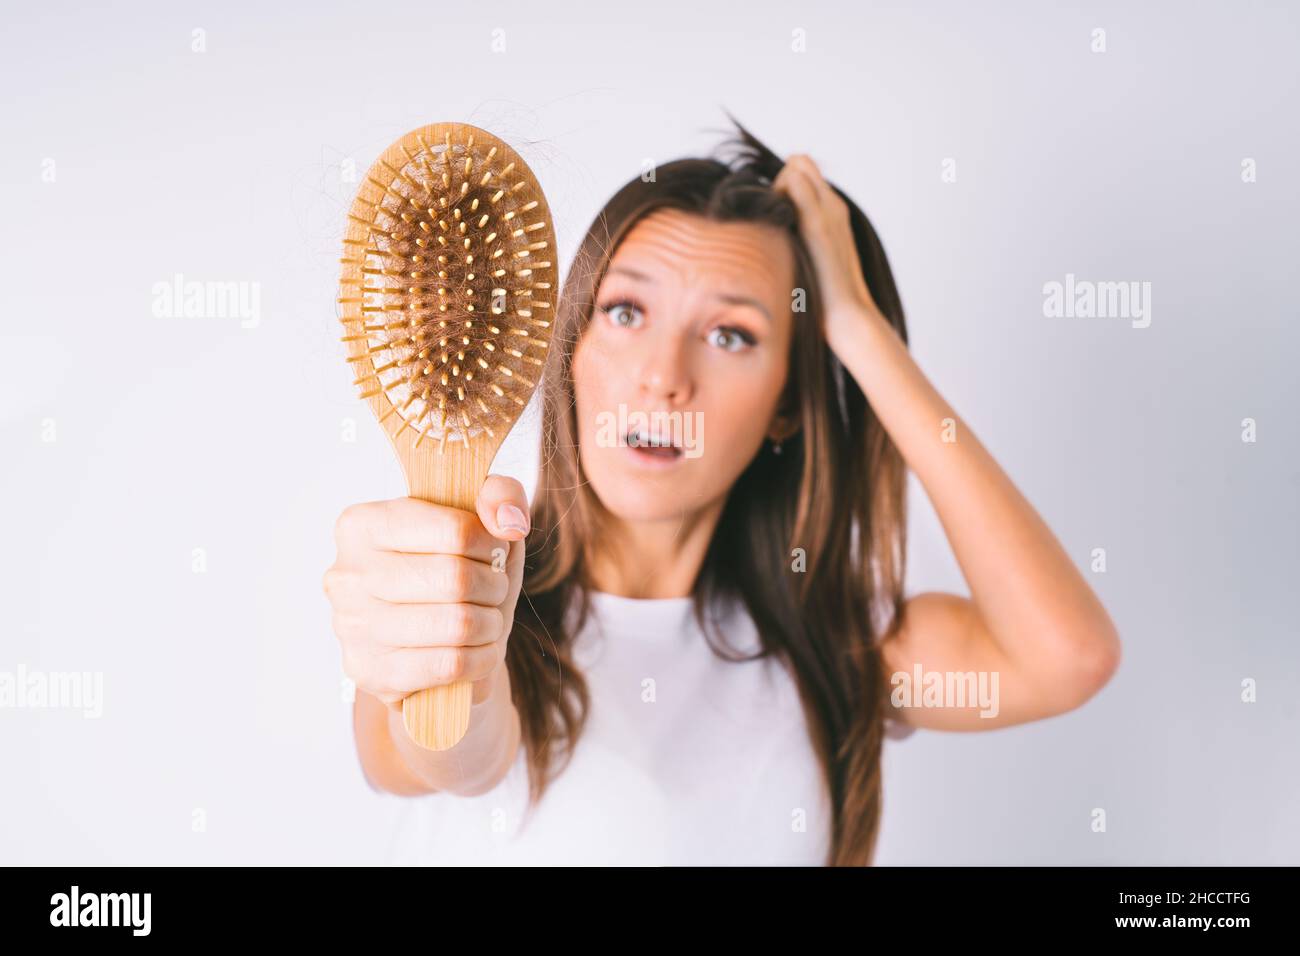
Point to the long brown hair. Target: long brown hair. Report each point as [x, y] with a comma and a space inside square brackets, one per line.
[833, 496]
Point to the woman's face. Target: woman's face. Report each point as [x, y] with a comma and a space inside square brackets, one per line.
[688, 345]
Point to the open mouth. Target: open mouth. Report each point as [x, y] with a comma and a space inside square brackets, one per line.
[653, 447]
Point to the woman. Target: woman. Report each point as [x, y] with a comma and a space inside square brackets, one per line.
[712, 634]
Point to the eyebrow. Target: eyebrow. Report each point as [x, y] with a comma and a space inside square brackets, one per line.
[721, 296]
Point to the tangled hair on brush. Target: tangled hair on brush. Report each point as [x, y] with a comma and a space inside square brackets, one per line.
[450, 283]
[825, 624]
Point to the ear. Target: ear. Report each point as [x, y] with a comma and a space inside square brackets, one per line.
[782, 427]
[785, 420]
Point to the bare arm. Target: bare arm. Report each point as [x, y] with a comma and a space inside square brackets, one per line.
[424, 595]
[1032, 618]
[392, 762]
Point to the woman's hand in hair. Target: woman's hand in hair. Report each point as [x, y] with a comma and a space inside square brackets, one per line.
[425, 595]
[825, 229]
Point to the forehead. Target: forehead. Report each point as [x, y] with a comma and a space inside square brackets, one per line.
[687, 248]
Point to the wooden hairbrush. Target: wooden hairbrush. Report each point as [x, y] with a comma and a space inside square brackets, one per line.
[448, 293]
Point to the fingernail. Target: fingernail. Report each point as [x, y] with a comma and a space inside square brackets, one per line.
[510, 518]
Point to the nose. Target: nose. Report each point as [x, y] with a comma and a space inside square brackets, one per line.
[664, 374]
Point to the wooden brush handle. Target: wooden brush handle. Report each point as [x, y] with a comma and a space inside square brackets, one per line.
[463, 361]
[437, 718]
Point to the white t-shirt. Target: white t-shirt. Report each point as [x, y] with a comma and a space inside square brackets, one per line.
[686, 759]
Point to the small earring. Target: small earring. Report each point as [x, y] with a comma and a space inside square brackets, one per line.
[776, 448]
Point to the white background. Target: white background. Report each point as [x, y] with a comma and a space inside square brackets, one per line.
[222, 690]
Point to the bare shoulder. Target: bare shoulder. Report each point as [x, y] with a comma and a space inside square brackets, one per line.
[944, 670]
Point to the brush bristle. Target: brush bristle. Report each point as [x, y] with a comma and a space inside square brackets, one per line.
[453, 305]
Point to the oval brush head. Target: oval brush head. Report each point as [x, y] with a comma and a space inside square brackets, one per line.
[448, 293]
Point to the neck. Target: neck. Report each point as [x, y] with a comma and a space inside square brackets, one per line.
[653, 559]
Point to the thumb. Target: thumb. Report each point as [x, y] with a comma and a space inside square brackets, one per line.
[503, 508]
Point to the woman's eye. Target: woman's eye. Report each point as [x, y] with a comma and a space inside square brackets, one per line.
[622, 314]
[729, 338]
